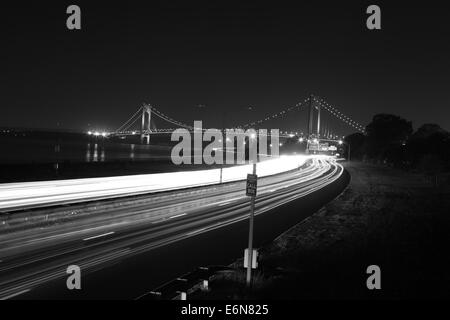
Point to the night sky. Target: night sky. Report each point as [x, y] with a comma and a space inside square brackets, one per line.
[227, 57]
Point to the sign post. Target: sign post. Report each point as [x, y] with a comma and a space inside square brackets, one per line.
[251, 184]
[251, 192]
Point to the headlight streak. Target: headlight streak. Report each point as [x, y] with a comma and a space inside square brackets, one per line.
[14, 196]
[310, 179]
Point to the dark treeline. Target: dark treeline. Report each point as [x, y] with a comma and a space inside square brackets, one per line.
[391, 140]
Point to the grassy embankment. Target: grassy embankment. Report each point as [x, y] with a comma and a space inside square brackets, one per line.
[396, 220]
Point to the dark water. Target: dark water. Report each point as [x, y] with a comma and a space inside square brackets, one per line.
[50, 156]
[27, 150]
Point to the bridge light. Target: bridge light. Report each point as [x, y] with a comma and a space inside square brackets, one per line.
[300, 140]
[133, 133]
[281, 144]
[316, 141]
[341, 142]
[253, 136]
[96, 133]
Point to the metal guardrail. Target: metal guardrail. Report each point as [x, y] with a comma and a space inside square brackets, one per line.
[184, 284]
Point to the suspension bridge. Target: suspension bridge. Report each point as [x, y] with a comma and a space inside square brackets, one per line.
[318, 121]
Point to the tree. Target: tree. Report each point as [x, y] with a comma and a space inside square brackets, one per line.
[427, 130]
[429, 139]
[355, 142]
[432, 165]
[386, 132]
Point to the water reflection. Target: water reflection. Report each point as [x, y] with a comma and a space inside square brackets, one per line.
[88, 153]
[44, 151]
[93, 155]
[102, 155]
[132, 151]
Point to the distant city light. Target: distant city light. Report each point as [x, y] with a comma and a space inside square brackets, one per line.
[300, 140]
[341, 142]
[96, 133]
[89, 132]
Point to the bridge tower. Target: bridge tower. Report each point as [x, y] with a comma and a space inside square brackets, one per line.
[313, 128]
[146, 123]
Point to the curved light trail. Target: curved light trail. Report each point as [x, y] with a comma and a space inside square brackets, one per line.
[22, 195]
[32, 257]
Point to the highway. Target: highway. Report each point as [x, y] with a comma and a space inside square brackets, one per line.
[98, 234]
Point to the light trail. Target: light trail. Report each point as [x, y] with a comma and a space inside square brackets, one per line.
[177, 216]
[43, 255]
[15, 196]
[99, 236]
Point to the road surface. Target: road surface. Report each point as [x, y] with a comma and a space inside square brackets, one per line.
[95, 238]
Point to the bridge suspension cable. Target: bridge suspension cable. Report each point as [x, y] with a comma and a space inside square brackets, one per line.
[121, 128]
[164, 117]
[276, 115]
[339, 115]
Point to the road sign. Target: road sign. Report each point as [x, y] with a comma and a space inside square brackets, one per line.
[251, 185]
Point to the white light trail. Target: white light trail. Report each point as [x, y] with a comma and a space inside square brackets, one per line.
[34, 194]
[99, 236]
